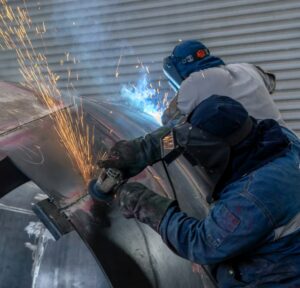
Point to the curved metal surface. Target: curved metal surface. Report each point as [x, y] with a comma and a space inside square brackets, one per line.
[30, 258]
[18, 106]
[130, 253]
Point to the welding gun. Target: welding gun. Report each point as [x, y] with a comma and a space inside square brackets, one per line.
[103, 188]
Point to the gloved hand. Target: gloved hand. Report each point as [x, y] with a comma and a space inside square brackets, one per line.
[137, 201]
[132, 157]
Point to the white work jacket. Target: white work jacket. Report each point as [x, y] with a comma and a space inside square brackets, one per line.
[244, 82]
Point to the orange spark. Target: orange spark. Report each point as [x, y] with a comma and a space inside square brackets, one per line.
[73, 132]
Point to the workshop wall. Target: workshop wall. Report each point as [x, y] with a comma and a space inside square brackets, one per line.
[110, 38]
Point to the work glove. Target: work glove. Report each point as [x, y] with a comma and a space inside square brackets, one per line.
[137, 201]
[132, 157]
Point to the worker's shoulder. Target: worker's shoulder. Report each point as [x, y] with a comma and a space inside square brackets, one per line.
[220, 72]
[241, 65]
[241, 68]
[273, 189]
[275, 186]
[282, 170]
[206, 77]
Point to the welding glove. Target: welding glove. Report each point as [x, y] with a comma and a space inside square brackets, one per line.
[137, 201]
[132, 157]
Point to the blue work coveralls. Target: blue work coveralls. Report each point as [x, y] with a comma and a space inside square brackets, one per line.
[251, 236]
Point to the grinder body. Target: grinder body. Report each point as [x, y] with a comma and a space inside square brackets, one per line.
[102, 189]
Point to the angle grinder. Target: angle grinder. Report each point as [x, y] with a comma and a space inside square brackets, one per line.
[103, 188]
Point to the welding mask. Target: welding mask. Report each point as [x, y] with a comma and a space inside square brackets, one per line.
[170, 71]
[204, 145]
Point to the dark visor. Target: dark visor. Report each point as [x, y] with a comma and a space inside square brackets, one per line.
[172, 74]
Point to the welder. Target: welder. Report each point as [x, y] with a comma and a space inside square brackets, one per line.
[251, 236]
[195, 74]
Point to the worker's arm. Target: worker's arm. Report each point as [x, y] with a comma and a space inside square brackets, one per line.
[131, 157]
[231, 228]
[200, 86]
[193, 90]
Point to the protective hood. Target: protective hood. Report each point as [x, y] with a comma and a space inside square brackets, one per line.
[216, 125]
[188, 57]
[265, 143]
[221, 138]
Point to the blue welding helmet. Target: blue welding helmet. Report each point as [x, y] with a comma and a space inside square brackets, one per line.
[172, 74]
[177, 68]
[188, 57]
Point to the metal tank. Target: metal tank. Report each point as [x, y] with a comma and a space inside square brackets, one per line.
[128, 253]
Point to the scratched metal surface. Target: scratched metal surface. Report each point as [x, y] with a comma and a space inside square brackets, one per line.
[36, 151]
[18, 106]
[64, 264]
[131, 254]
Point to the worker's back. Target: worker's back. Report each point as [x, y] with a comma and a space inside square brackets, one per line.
[242, 82]
[271, 195]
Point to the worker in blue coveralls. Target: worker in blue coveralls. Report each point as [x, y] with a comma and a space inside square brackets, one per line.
[251, 236]
[241, 162]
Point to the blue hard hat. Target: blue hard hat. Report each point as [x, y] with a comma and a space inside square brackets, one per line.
[190, 48]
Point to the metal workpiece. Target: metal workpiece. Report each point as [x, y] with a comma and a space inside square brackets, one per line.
[19, 106]
[37, 152]
[128, 253]
[30, 257]
[55, 221]
[131, 253]
[30, 141]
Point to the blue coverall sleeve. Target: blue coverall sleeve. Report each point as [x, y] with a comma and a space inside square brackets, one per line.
[231, 228]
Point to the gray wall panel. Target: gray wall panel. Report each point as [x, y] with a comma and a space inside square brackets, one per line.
[97, 32]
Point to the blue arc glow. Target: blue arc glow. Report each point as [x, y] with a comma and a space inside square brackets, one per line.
[144, 98]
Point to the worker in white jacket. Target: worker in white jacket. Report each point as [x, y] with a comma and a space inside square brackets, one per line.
[196, 75]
